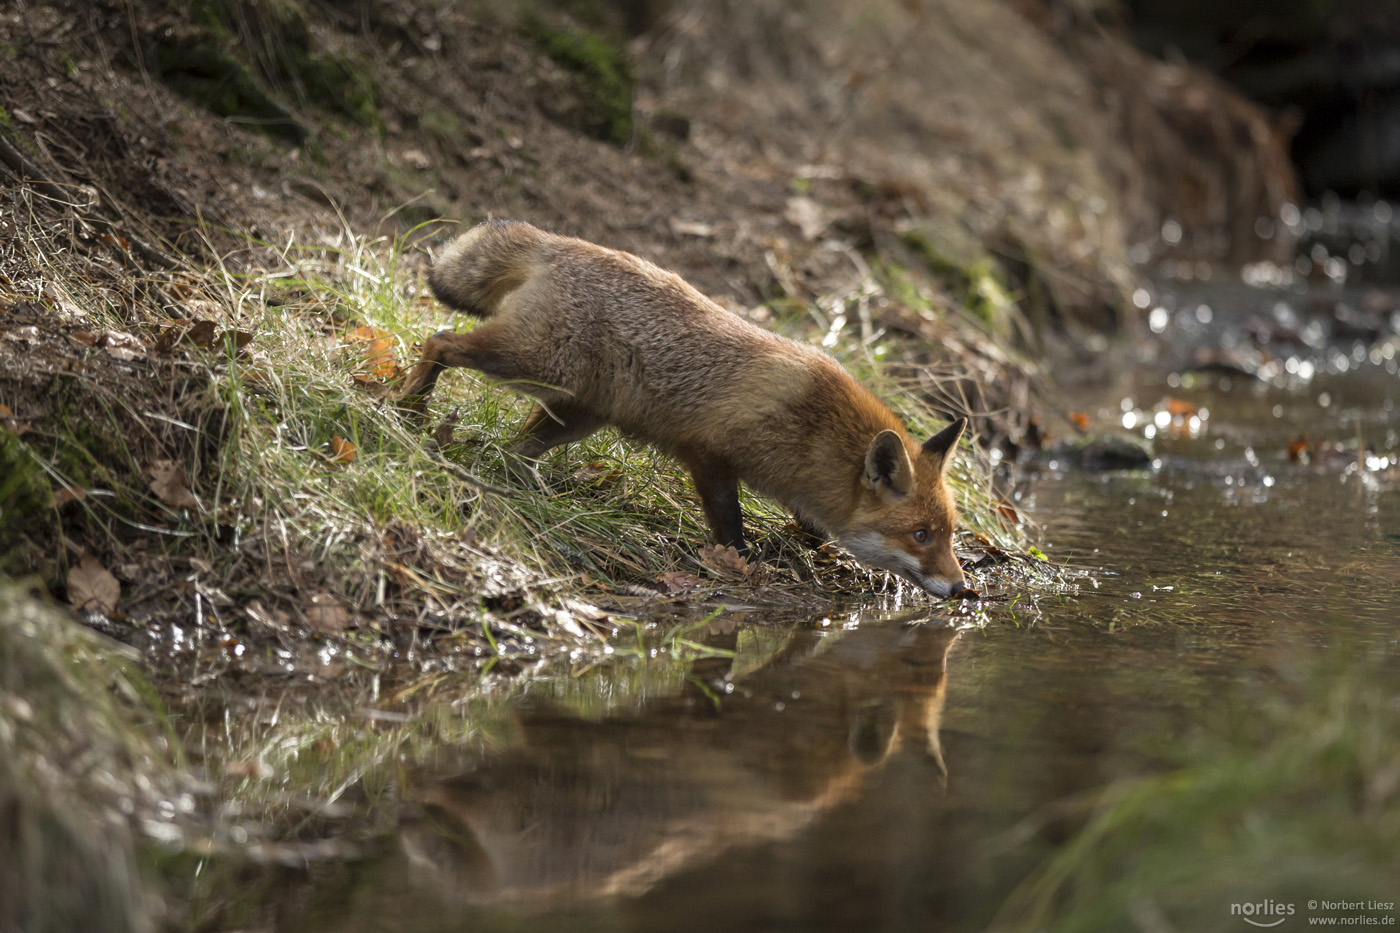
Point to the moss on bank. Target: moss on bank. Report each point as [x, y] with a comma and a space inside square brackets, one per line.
[602, 78]
[25, 495]
[253, 61]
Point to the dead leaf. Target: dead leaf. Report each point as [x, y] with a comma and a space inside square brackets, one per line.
[1179, 408]
[201, 334]
[170, 335]
[326, 614]
[66, 494]
[241, 339]
[342, 451]
[91, 587]
[86, 338]
[166, 479]
[11, 423]
[116, 240]
[378, 362]
[724, 560]
[678, 582]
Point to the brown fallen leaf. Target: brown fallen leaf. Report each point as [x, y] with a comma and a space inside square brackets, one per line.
[724, 560]
[342, 451]
[326, 614]
[170, 334]
[12, 424]
[1180, 408]
[63, 495]
[201, 334]
[91, 587]
[678, 582]
[117, 240]
[378, 361]
[241, 339]
[166, 479]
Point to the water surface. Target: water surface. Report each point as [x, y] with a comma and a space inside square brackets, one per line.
[913, 771]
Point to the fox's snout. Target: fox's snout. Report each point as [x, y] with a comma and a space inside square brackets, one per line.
[944, 585]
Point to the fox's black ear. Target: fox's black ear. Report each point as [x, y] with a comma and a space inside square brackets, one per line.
[942, 443]
[888, 469]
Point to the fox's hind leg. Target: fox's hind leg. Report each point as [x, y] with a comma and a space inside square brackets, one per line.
[485, 349]
[561, 423]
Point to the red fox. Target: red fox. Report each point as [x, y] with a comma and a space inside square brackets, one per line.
[601, 337]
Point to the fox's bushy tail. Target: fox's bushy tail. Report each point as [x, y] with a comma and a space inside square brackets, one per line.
[479, 268]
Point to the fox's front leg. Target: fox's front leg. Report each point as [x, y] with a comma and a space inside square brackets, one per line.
[719, 497]
[560, 423]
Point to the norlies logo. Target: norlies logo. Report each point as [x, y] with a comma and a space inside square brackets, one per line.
[1269, 913]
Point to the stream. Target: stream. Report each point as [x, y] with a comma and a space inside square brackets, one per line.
[935, 769]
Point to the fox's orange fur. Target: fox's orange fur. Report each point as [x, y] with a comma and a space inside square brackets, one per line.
[602, 337]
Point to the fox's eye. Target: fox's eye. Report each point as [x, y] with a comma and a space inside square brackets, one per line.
[920, 536]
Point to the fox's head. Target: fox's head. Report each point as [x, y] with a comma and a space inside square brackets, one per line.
[904, 516]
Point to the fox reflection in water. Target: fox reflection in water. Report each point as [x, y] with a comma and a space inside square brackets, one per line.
[584, 809]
